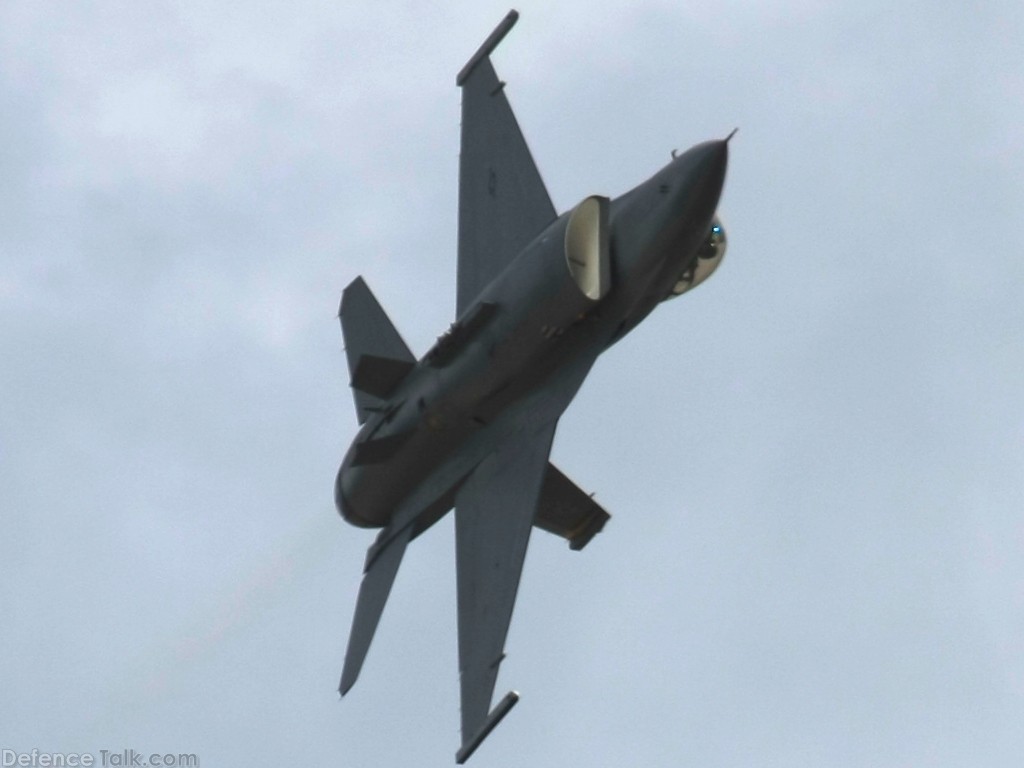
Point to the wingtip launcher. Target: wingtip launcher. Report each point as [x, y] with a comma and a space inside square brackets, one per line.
[488, 46]
[499, 712]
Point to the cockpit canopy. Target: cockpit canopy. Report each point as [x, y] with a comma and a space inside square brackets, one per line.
[708, 257]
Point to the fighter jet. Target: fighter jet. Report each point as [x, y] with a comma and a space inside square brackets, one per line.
[469, 425]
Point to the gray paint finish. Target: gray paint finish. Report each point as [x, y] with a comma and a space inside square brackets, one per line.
[472, 423]
[503, 202]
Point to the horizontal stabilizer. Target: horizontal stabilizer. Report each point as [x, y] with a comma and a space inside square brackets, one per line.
[503, 708]
[373, 594]
[368, 332]
[567, 511]
[379, 376]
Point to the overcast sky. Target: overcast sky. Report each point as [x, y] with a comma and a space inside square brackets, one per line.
[814, 462]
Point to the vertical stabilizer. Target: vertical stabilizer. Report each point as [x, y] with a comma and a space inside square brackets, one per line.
[377, 356]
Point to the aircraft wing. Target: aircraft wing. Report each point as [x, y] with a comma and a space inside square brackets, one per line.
[494, 513]
[503, 203]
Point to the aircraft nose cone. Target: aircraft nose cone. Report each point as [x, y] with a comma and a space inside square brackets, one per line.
[706, 168]
[692, 183]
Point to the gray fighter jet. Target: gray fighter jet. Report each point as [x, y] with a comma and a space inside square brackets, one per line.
[469, 425]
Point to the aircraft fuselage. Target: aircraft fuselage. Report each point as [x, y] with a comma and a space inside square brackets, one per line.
[528, 323]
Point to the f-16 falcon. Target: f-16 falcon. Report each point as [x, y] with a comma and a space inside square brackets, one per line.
[469, 426]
